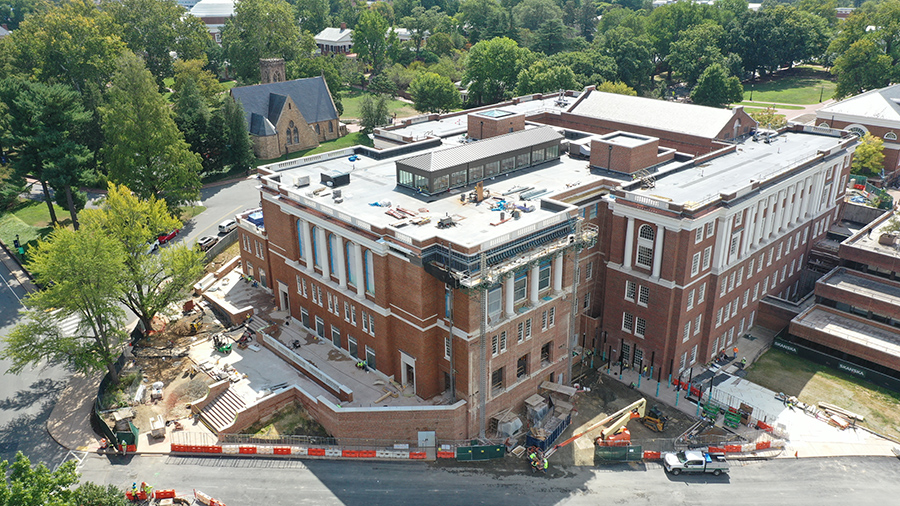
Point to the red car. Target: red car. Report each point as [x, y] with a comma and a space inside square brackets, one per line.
[164, 238]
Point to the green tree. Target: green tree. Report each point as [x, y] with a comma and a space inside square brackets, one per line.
[420, 22]
[369, 40]
[862, 67]
[531, 14]
[193, 117]
[493, 68]
[631, 53]
[144, 148]
[149, 282]
[541, 77]
[153, 28]
[373, 111]
[313, 14]
[590, 66]
[91, 494]
[47, 120]
[483, 19]
[383, 84]
[13, 12]
[81, 272]
[238, 146]
[550, 37]
[868, 160]
[433, 93]
[24, 485]
[440, 44]
[767, 118]
[262, 29]
[195, 70]
[617, 87]
[697, 48]
[715, 88]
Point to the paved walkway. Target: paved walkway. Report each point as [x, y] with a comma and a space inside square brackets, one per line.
[17, 272]
[804, 115]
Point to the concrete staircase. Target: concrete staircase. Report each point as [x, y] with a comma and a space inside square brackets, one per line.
[219, 414]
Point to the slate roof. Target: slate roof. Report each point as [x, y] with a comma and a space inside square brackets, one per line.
[440, 159]
[213, 9]
[263, 102]
[334, 35]
[689, 119]
[883, 104]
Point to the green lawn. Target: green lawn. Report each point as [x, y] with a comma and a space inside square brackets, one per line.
[800, 85]
[763, 105]
[811, 383]
[30, 220]
[353, 98]
[351, 139]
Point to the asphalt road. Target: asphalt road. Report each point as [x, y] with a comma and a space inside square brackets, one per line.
[246, 482]
[26, 399]
[222, 202]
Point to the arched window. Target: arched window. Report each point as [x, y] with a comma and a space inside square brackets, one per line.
[296, 136]
[300, 238]
[332, 252]
[288, 136]
[330, 127]
[370, 271]
[890, 136]
[317, 128]
[645, 246]
[824, 124]
[314, 233]
[857, 129]
[350, 255]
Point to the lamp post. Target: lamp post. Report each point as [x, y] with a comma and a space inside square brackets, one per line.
[751, 93]
[821, 92]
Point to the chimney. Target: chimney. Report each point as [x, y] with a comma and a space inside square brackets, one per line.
[343, 26]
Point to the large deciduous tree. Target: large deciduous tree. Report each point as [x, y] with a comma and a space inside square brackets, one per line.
[46, 121]
[434, 93]
[263, 29]
[629, 50]
[373, 112]
[716, 88]
[144, 148]
[27, 485]
[153, 29]
[542, 77]
[493, 68]
[864, 66]
[868, 160]
[150, 282]
[81, 272]
[370, 39]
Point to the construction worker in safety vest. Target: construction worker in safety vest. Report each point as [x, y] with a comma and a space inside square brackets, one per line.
[546, 464]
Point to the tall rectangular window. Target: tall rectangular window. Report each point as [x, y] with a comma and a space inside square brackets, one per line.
[750, 269]
[544, 320]
[544, 277]
[746, 297]
[446, 347]
[630, 289]
[552, 316]
[528, 328]
[640, 327]
[694, 354]
[707, 257]
[695, 264]
[503, 341]
[494, 301]
[687, 332]
[520, 332]
[690, 300]
[645, 256]
[628, 322]
[710, 228]
[719, 317]
[644, 295]
[587, 301]
[495, 345]
[697, 321]
[698, 235]
[588, 270]
[520, 287]
[701, 293]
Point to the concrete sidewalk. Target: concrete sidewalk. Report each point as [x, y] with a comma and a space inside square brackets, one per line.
[18, 272]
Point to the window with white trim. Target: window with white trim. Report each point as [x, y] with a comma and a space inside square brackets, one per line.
[588, 270]
[701, 293]
[697, 321]
[640, 327]
[520, 332]
[520, 287]
[630, 289]
[710, 228]
[353, 315]
[731, 281]
[495, 345]
[690, 300]
[494, 301]
[643, 295]
[683, 362]
[724, 287]
[552, 316]
[740, 276]
[346, 311]
[762, 260]
[698, 235]
[446, 347]
[687, 332]
[738, 219]
[365, 322]
[502, 341]
[371, 324]
[544, 320]
[628, 322]
[693, 354]
[707, 257]
[750, 269]
[734, 306]
[695, 264]
[727, 311]
[746, 297]
[646, 235]
[587, 300]
[719, 318]
[528, 329]
[544, 276]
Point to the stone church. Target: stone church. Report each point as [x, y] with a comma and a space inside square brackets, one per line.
[287, 116]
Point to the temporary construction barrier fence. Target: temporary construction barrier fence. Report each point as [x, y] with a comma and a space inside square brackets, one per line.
[468, 453]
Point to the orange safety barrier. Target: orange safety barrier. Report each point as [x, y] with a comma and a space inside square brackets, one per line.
[214, 449]
[177, 448]
[350, 453]
[316, 452]
[652, 455]
[247, 450]
[281, 451]
[165, 494]
[764, 426]
[763, 445]
[716, 449]
[446, 455]
[695, 391]
[733, 448]
[141, 495]
[367, 454]
[417, 455]
[129, 448]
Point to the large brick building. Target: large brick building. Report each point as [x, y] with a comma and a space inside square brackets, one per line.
[480, 268]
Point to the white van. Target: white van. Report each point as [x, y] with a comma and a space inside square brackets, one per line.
[227, 226]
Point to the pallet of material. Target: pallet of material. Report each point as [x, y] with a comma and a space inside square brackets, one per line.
[841, 411]
[560, 389]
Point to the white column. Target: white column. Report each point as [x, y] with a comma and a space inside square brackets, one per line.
[557, 274]
[723, 243]
[323, 254]
[341, 264]
[533, 283]
[629, 243]
[658, 251]
[757, 233]
[508, 288]
[812, 195]
[360, 274]
[749, 232]
[307, 246]
[773, 216]
[782, 209]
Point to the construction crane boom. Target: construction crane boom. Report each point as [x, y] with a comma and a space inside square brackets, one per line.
[619, 419]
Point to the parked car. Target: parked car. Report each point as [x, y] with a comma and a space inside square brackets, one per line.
[152, 246]
[207, 242]
[227, 226]
[164, 238]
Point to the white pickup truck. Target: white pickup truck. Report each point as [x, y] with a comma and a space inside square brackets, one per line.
[695, 462]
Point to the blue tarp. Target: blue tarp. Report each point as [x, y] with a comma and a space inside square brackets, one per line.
[256, 218]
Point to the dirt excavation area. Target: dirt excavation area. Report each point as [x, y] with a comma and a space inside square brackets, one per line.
[162, 358]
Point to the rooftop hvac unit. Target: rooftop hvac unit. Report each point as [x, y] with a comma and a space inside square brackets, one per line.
[334, 179]
[301, 181]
